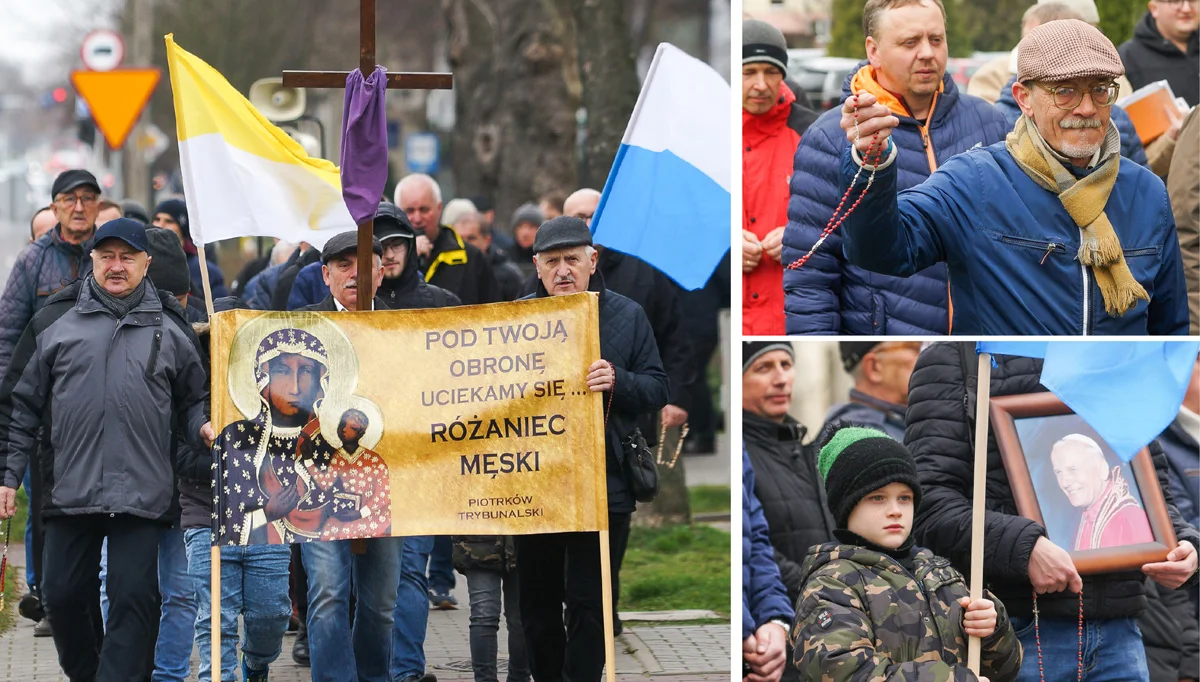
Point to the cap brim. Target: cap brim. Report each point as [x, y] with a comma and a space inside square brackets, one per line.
[565, 244]
[77, 184]
[139, 247]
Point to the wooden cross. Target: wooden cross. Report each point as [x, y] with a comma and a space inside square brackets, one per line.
[337, 79]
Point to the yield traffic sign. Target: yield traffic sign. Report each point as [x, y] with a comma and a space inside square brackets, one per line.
[116, 98]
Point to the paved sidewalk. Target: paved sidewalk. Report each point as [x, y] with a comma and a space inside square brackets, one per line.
[691, 653]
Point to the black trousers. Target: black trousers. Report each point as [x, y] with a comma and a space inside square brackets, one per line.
[565, 568]
[71, 594]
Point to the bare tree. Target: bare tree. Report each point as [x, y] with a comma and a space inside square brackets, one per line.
[516, 93]
[610, 84]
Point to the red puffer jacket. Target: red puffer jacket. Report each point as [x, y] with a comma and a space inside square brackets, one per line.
[768, 143]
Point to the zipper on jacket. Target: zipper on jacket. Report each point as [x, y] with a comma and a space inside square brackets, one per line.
[1086, 292]
[154, 345]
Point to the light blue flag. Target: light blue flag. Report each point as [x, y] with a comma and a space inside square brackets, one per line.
[667, 197]
[1128, 391]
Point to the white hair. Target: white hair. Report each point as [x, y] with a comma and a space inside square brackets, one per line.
[457, 208]
[281, 251]
[413, 178]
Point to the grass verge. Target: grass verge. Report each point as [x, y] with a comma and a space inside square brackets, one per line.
[678, 567]
[707, 499]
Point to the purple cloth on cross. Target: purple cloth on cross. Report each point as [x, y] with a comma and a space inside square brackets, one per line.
[364, 143]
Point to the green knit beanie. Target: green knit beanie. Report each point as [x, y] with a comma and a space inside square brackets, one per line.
[857, 460]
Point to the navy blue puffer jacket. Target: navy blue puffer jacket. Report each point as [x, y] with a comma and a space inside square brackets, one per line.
[830, 296]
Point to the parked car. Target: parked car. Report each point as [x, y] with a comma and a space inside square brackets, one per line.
[822, 78]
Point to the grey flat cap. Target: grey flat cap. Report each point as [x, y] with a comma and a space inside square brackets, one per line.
[562, 232]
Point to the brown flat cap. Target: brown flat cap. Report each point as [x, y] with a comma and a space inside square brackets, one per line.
[1064, 50]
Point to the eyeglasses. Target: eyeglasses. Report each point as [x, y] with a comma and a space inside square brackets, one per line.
[88, 200]
[1067, 97]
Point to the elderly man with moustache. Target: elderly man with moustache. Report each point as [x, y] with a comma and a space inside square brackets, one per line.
[1042, 234]
[116, 364]
[629, 368]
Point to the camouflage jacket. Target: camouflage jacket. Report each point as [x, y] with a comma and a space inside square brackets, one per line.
[863, 617]
[484, 552]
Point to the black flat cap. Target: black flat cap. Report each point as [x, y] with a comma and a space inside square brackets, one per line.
[562, 232]
[70, 179]
[344, 243]
[392, 223]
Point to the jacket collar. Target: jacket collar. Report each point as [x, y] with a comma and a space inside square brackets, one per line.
[449, 249]
[947, 96]
[761, 427]
[772, 120]
[56, 240]
[149, 311]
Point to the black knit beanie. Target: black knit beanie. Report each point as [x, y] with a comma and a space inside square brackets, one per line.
[856, 460]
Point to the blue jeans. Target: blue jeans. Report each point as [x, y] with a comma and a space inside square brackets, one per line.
[173, 650]
[254, 585]
[412, 609]
[486, 588]
[441, 565]
[1112, 650]
[361, 652]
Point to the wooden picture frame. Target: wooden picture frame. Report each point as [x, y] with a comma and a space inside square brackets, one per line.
[1008, 414]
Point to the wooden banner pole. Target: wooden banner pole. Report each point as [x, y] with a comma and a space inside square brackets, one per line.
[979, 495]
[215, 556]
[215, 593]
[208, 297]
[610, 646]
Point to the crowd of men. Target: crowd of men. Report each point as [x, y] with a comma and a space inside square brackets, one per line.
[916, 208]
[1136, 625]
[103, 419]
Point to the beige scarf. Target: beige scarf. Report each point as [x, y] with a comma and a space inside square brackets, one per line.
[1084, 200]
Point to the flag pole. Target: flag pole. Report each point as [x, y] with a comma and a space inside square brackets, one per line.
[215, 551]
[979, 495]
[610, 647]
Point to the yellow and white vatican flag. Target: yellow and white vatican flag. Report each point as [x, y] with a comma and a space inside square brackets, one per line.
[243, 176]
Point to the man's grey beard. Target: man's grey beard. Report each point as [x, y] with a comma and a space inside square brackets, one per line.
[1079, 151]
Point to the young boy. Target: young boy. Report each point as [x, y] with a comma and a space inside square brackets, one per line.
[875, 607]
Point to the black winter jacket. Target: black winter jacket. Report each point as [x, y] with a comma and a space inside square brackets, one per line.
[1149, 57]
[458, 267]
[788, 485]
[509, 276]
[626, 341]
[1169, 633]
[940, 433]
[659, 297]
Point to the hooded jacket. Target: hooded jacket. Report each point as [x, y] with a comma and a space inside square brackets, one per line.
[109, 392]
[940, 434]
[1149, 57]
[863, 615]
[283, 288]
[1012, 247]
[769, 142]
[42, 268]
[788, 487]
[1131, 144]
[829, 294]
[410, 290]
[627, 341]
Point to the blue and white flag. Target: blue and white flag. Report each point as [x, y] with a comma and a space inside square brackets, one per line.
[1128, 391]
[667, 197]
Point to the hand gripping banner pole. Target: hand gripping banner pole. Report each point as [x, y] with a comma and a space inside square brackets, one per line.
[979, 495]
